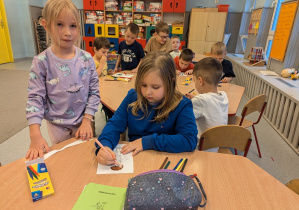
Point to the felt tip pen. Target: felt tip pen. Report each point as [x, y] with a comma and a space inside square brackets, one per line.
[167, 164]
[178, 164]
[191, 90]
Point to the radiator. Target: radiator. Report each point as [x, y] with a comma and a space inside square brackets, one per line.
[281, 111]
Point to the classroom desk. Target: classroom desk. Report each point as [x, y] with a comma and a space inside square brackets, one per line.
[113, 92]
[230, 182]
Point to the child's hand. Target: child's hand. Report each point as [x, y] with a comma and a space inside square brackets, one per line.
[189, 72]
[134, 70]
[178, 72]
[105, 159]
[226, 79]
[103, 60]
[190, 96]
[110, 71]
[37, 146]
[135, 146]
[85, 131]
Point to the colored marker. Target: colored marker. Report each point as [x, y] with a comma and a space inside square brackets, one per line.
[163, 163]
[167, 165]
[178, 164]
[179, 167]
[191, 90]
[184, 165]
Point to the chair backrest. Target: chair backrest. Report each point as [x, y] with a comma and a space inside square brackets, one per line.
[232, 136]
[255, 104]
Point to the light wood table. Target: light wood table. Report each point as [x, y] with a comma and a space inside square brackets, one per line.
[113, 92]
[230, 182]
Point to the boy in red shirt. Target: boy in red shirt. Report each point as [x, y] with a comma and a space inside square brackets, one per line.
[184, 63]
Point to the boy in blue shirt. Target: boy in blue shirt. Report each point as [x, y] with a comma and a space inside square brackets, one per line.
[130, 51]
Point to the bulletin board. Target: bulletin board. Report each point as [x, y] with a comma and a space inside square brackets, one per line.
[283, 30]
[255, 21]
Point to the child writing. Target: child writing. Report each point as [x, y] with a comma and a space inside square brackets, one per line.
[218, 51]
[183, 62]
[130, 51]
[160, 41]
[176, 43]
[101, 46]
[158, 117]
[63, 82]
[210, 106]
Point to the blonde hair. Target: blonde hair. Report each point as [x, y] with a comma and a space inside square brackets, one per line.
[164, 64]
[51, 12]
[218, 48]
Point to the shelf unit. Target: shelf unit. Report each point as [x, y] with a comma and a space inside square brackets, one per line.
[109, 26]
[41, 36]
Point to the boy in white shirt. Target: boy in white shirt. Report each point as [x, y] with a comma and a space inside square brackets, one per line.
[176, 43]
[210, 106]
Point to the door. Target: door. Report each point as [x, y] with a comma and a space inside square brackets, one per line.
[88, 4]
[168, 5]
[5, 50]
[198, 25]
[179, 5]
[98, 5]
[216, 26]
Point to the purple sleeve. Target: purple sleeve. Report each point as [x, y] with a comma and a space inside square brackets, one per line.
[36, 92]
[94, 93]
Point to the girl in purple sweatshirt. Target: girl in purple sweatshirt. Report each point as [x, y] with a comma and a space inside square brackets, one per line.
[63, 83]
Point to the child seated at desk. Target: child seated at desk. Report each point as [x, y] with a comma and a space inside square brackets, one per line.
[183, 62]
[160, 41]
[130, 51]
[210, 106]
[101, 46]
[176, 43]
[218, 51]
[157, 115]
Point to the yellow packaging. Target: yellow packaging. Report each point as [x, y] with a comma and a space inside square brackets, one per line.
[39, 179]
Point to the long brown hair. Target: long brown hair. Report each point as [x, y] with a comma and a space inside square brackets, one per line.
[164, 64]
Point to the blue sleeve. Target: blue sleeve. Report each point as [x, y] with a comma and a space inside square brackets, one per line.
[140, 51]
[184, 138]
[116, 125]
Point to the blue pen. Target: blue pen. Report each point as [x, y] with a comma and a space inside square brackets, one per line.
[178, 164]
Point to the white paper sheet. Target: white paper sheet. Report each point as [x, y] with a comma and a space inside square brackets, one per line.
[268, 73]
[125, 160]
[49, 154]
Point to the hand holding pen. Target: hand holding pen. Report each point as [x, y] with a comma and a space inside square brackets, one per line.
[189, 95]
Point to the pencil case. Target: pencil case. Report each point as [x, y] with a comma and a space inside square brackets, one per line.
[164, 189]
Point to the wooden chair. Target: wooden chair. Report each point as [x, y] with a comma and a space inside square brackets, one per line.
[232, 136]
[294, 185]
[258, 103]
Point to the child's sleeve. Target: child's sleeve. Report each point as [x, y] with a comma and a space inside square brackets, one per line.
[228, 69]
[116, 125]
[198, 106]
[94, 93]
[184, 138]
[36, 92]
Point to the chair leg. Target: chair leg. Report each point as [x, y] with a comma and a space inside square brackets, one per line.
[257, 143]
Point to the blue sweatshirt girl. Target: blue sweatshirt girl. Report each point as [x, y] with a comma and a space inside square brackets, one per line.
[158, 117]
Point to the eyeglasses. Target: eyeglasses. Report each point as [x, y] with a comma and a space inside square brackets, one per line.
[163, 37]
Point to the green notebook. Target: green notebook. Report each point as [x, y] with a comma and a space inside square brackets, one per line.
[97, 196]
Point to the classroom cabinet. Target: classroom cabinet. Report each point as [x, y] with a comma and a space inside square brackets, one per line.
[93, 4]
[205, 29]
[174, 5]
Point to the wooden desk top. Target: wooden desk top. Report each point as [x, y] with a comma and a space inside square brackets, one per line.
[230, 182]
[198, 57]
[113, 92]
